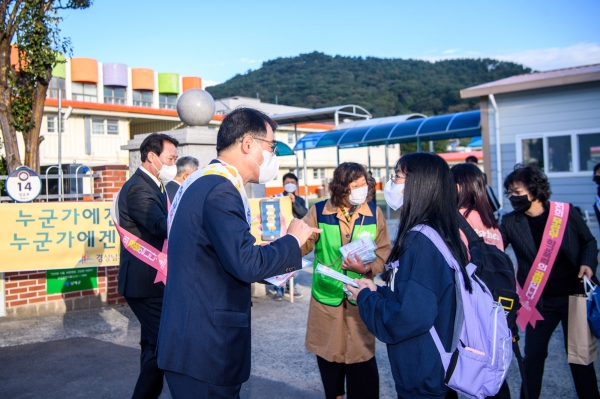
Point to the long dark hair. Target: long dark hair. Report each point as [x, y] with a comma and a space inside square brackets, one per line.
[472, 195]
[343, 175]
[429, 198]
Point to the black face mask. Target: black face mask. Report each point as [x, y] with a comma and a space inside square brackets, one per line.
[597, 180]
[520, 203]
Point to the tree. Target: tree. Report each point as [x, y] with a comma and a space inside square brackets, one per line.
[29, 29]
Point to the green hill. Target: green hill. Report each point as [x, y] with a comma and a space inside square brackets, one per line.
[383, 86]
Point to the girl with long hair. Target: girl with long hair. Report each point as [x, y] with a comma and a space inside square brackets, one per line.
[420, 292]
[474, 205]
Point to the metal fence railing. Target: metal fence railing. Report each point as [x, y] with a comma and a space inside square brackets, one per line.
[77, 195]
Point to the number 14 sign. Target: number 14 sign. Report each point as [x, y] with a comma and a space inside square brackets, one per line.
[23, 185]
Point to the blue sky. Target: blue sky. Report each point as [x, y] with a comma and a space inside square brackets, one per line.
[216, 40]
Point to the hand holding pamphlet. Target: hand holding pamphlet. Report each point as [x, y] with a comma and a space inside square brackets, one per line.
[363, 249]
[278, 281]
[329, 272]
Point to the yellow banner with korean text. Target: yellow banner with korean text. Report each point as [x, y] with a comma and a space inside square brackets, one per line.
[43, 236]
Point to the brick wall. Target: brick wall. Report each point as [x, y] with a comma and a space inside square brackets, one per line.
[25, 292]
[111, 179]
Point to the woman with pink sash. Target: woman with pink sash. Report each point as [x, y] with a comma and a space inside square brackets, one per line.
[554, 249]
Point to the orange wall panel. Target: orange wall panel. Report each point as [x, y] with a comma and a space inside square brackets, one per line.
[191, 82]
[14, 57]
[142, 79]
[84, 70]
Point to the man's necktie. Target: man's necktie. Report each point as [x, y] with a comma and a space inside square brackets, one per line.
[163, 190]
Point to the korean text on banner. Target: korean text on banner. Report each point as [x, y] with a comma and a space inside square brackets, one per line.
[43, 236]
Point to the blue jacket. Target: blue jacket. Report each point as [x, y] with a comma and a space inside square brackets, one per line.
[205, 325]
[423, 296]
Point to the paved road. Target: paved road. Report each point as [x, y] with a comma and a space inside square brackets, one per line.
[94, 354]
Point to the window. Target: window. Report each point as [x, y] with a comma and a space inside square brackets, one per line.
[112, 126]
[319, 173]
[84, 92]
[115, 95]
[560, 154]
[97, 126]
[589, 151]
[56, 85]
[533, 150]
[52, 124]
[168, 101]
[142, 98]
[300, 173]
[102, 126]
[291, 138]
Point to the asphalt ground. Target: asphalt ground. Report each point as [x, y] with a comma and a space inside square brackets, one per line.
[95, 354]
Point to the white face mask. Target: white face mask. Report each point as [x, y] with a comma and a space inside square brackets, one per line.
[166, 172]
[393, 194]
[269, 168]
[290, 188]
[358, 195]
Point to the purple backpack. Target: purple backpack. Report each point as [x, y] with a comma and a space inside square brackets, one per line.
[481, 349]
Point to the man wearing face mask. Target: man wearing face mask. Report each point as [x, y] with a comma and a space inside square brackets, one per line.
[204, 337]
[142, 212]
[290, 187]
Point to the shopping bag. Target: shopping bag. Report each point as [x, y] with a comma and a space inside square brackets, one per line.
[593, 306]
[581, 346]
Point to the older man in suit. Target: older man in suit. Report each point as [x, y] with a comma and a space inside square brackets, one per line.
[204, 339]
[185, 167]
[142, 212]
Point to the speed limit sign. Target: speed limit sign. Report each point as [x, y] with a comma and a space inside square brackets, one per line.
[23, 185]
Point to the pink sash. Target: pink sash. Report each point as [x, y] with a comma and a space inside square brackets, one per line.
[540, 270]
[141, 249]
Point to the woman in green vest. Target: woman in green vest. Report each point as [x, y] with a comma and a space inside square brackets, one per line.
[344, 347]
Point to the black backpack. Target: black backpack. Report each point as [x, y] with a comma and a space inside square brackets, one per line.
[496, 270]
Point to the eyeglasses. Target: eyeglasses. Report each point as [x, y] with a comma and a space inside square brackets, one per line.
[395, 177]
[273, 143]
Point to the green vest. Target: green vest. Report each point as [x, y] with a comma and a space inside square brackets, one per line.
[327, 249]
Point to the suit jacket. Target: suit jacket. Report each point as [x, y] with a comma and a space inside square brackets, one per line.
[205, 325]
[172, 188]
[578, 244]
[143, 213]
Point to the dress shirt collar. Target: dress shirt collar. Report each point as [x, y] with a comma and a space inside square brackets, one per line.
[151, 175]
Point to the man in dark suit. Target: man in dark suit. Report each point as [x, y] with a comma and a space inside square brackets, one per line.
[204, 338]
[142, 211]
[185, 167]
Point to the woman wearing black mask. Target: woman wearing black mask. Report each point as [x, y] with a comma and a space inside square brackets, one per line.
[597, 181]
[562, 252]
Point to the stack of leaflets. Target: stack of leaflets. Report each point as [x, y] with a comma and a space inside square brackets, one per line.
[329, 272]
[282, 278]
[364, 249]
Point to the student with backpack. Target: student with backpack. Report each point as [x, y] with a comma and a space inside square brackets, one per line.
[554, 237]
[416, 313]
[477, 212]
